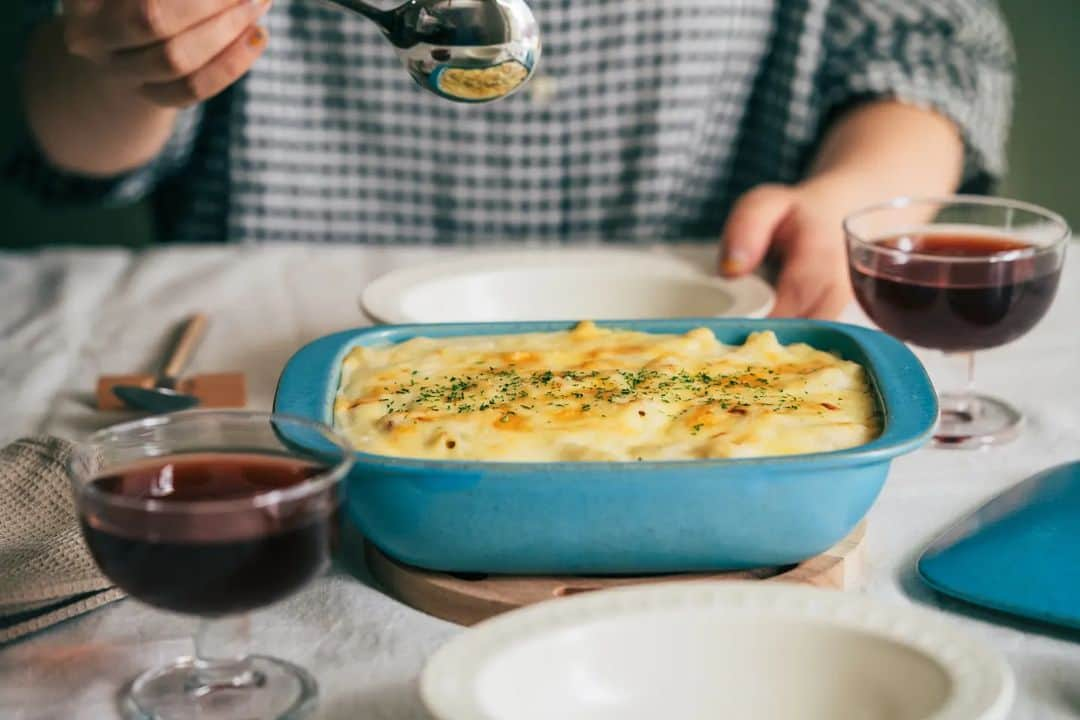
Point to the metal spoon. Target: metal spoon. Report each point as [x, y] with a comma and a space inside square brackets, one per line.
[471, 51]
[163, 397]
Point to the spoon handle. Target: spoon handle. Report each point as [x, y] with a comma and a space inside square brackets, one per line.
[382, 18]
[185, 346]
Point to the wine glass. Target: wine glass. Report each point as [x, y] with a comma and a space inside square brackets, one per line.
[958, 274]
[213, 514]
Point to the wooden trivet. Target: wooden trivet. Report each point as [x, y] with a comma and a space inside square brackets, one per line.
[466, 600]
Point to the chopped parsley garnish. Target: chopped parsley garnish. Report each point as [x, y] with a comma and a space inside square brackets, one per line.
[491, 388]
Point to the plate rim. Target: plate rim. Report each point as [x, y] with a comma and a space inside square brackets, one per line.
[752, 296]
[982, 684]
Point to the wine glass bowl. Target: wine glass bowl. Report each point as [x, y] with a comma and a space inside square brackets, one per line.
[213, 514]
[958, 274]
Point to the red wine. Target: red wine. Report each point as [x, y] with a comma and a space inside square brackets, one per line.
[944, 297]
[192, 553]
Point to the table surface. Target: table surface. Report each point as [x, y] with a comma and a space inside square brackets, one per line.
[67, 316]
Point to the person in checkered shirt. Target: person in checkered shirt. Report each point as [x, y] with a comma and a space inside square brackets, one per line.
[757, 124]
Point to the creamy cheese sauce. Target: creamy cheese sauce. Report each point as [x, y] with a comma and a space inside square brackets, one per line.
[598, 394]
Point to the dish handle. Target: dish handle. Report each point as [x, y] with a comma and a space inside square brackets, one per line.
[905, 390]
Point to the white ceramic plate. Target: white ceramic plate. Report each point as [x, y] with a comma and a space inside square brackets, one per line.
[564, 284]
[717, 650]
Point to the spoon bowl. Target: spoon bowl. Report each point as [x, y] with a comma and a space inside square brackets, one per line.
[469, 51]
[158, 400]
[163, 396]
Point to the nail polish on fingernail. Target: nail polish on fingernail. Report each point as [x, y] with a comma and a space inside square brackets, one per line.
[257, 38]
[733, 262]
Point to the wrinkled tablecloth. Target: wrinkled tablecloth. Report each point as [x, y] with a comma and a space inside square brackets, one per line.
[67, 316]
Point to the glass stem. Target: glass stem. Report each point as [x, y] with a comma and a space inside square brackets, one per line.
[221, 658]
[969, 383]
[964, 396]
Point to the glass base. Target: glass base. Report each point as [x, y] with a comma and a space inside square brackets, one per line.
[268, 688]
[975, 421]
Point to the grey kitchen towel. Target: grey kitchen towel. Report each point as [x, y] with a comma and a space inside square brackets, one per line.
[46, 572]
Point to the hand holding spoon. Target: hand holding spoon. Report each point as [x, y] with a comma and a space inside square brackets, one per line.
[470, 51]
[163, 397]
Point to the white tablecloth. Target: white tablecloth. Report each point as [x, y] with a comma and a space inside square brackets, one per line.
[67, 316]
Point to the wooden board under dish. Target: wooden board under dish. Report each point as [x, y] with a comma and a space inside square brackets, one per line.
[467, 600]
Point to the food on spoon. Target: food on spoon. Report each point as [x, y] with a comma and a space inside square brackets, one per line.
[483, 83]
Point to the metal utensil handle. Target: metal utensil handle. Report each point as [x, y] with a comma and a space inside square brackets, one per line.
[185, 346]
[382, 18]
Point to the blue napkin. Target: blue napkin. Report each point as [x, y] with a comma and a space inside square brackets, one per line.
[1019, 553]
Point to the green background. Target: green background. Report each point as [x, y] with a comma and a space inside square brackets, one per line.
[1044, 151]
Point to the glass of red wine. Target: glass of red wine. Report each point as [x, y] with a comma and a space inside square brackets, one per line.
[213, 514]
[958, 274]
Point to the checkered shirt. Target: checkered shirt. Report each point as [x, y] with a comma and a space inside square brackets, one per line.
[646, 120]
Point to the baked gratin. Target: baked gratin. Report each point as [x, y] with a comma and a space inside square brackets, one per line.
[598, 394]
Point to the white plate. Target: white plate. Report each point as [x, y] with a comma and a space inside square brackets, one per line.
[717, 650]
[564, 284]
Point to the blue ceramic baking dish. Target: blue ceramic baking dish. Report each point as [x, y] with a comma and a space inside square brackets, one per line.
[621, 518]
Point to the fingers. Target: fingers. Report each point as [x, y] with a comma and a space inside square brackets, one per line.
[753, 223]
[225, 69]
[174, 52]
[801, 296]
[832, 302]
[813, 282]
[96, 27]
[189, 51]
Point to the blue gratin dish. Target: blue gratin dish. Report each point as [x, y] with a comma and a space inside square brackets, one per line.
[621, 517]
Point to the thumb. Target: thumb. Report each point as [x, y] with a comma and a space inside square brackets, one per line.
[751, 226]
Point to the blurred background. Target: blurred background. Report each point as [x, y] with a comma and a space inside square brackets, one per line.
[1044, 153]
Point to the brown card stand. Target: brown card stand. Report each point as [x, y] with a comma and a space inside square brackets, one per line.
[466, 601]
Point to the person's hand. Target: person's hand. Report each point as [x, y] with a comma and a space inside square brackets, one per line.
[875, 151]
[173, 52]
[802, 226]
